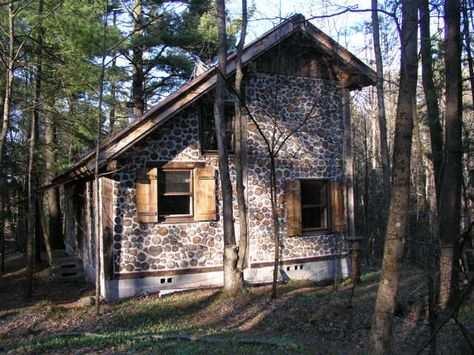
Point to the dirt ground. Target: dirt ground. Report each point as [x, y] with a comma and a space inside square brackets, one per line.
[305, 318]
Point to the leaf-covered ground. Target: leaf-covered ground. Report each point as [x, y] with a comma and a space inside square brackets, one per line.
[305, 318]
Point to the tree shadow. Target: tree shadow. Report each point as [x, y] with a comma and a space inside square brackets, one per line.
[45, 288]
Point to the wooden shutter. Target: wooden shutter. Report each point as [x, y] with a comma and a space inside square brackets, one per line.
[293, 208]
[147, 195]
[205, 194]
[338, 224]
[107, 191]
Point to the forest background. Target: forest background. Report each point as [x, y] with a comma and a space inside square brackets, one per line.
[67, 66]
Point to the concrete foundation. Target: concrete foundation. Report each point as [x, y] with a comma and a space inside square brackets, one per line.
[326, 269]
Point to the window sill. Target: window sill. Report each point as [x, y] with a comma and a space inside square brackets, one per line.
[180, 219]
[314, 233]
[215, 153]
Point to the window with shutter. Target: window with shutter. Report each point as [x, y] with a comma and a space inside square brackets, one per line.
[183, 191]
[146, 195]
[338, 217]
[314, 206]
[293, 205]
[205, 194]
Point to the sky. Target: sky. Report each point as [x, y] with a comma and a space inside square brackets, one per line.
[341, 28]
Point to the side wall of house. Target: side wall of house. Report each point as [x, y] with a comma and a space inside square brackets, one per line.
[155, 247]
[144, 256]
[280, 105]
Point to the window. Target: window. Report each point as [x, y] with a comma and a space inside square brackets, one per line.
[208, 132]
[314, 206]
[176, 192]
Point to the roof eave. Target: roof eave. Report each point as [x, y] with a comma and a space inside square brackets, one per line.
[191, 91]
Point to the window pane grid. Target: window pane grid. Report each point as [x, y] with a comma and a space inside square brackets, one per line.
[314, 206]
[208, 133]
[175, 193]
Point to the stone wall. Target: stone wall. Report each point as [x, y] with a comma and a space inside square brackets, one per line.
[314, 151]
[313, 110]
[158, 246]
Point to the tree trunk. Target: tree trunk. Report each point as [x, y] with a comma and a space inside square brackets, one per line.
[6, 108]
[450, 202]
[9, 79]
[43, 219]
[32, 207]
[137, 60]
[239, 153]
[431, 97]
[3, 201]
[113, 84]
[382, 122]
[467, 43]
[380, 335]
[2, 237]
[96, 188]
[232, 282]
[276, 224]
[434, 172]
[38, 227]
[53, 227]
[367, 206]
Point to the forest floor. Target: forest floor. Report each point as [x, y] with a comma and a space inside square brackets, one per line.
[305, 318]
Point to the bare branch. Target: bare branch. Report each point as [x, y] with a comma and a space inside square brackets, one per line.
[467, 290]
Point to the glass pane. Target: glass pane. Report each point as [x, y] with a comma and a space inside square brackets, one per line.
[313, 193]
[175, 181]
[173, 205]
[209, 140]
[314, 217]
[229, 117]
[230, 140]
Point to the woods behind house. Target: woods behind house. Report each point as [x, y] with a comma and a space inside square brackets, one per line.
[136, 147]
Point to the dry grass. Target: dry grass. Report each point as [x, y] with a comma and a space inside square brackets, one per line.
[305, 318]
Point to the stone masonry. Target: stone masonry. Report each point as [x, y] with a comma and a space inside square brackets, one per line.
[314, 151]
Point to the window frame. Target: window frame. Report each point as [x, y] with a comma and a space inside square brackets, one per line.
[177, 166]
[176, 217]
[202, 194]
[327, 205]
[202, 109]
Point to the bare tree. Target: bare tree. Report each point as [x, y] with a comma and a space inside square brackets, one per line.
[450, 202]
[53, 227]
[274, 141]
[467, 44]
[382, 122]
[9, 62]
[97, 192]
[138, 96]
[380, 334]
[431, 97]
[233, 282]
[32, 153]
[436, 139]
[239, 140]
[113, 84]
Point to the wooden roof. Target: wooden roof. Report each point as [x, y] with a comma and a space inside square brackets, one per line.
[358, 76]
